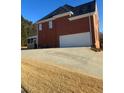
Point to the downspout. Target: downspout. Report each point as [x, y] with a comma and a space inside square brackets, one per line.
[37, 35]
[90, 31]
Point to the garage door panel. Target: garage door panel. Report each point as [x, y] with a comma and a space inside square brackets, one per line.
[75, 40]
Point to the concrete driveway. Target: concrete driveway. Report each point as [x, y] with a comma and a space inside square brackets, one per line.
[81, 60]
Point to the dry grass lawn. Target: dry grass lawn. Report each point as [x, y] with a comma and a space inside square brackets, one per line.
[38, 77]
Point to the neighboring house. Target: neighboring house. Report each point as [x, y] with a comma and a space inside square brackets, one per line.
[70, 26]
[32, 42]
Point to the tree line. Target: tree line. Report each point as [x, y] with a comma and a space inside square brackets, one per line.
[27, 29]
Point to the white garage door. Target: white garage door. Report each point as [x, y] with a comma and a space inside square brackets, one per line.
[75, 40]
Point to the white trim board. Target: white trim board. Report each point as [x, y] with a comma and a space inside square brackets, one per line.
[65, 14]
[75, 40]
[81, 16]
[56, 16]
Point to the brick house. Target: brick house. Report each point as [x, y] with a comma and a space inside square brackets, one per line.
[70, 26]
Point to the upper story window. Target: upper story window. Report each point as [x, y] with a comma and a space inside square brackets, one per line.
[40, 27]
[50, 24]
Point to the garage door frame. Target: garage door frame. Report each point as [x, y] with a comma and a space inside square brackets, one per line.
[75, 40]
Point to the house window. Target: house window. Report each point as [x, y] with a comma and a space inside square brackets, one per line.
[40, 27]
[50, 25]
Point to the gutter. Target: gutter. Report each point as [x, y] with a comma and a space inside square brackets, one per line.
[81, 16]
[56, 16]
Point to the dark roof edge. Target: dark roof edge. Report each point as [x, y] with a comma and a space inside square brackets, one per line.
[65, 12]
[86, 3]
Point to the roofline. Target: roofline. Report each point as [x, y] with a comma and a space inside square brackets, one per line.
[82, 16]
[56, 16]
[65, 14]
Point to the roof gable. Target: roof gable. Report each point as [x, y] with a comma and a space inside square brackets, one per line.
[78, 10]
[60, 10]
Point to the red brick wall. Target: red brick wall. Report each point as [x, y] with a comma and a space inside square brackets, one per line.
[47, 36]
[95, 31]
[62, 26]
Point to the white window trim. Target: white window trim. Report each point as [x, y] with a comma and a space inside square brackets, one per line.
[50, 24]
[40, 27]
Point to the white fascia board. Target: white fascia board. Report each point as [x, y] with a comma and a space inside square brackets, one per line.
[81, 16]
[56, 16]
[46, 20]
[64, 14]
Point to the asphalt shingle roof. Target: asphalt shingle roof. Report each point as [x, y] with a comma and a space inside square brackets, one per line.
[78, 10]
